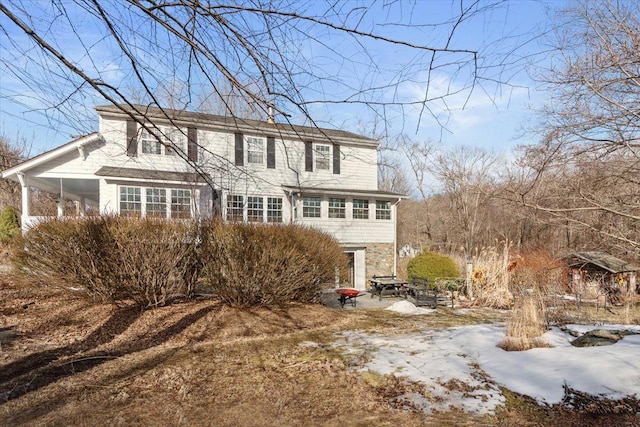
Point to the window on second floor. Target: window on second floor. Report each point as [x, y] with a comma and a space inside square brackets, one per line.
[255, 150]
[322, 153]
[311, 207]
[360, 209]
[162, 141]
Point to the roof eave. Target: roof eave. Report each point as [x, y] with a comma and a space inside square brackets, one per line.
[12, 172]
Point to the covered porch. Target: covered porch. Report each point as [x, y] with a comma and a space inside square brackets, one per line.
[74, 193]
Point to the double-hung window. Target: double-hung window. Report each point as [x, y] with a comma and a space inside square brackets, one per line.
[322, 156]
[235, 208]
[162, 140]
[383, 209]
[254, 209]
[255, 150]
[337, 208]
[180, 203]
[311, 207]
[130, 201]
[274, 209]
[156, 203]
[150, 143]
[360, 209]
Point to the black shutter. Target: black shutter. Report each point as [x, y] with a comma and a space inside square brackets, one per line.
[336, 159]
[239, 149]
[192, 144]
[308, 156]
[132, 138]
[271, 152]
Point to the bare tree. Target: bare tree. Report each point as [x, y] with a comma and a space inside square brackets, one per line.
[467, 177]
[584, 174]
[297, 58]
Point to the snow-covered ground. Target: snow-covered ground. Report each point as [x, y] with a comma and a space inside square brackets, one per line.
[452, 364]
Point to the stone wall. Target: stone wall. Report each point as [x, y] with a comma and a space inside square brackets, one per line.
[379, 259]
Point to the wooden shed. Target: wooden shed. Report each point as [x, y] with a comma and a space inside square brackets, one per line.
[601, 270]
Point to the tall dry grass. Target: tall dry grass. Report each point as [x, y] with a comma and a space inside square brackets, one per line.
[491, 279]
[526, 325]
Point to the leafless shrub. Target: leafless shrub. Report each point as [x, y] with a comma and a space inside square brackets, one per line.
[253, 264]
[114, 259]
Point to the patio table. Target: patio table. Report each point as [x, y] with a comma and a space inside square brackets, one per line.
[387, 284]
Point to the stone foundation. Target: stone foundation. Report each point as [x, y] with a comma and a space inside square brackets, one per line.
[379, 259]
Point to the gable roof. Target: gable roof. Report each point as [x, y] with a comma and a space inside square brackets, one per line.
[602, 260]
[78, 143]
[235, 124]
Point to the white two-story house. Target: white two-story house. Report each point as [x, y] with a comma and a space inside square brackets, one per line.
[146, 161]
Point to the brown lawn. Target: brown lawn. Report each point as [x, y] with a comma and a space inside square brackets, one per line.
[65, 361]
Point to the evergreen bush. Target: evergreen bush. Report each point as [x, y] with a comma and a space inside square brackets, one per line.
[433, 266]
[9, 224]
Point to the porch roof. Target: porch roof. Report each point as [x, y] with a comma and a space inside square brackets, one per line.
[77, 144]
[345, 192]
[150, 175]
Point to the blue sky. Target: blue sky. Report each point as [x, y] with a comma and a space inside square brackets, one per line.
[489, 116]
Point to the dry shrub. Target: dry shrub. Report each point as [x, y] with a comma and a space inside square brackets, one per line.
[526, 325]
[114, 259]
[256, 264]
[492, 288]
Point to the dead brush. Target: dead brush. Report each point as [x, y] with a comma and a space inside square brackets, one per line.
[534, 276]
[491, 279]
[526, 325]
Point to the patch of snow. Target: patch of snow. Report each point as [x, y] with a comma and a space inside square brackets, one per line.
[407, 307]
[447, 362]
[306, 344]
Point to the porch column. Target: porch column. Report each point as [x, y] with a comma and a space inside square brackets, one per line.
[83, 206]
[61, 201]
[26, 195]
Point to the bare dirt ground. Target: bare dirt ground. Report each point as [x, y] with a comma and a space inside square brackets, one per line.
[66, 361]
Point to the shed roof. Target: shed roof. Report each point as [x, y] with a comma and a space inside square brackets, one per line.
[600, 259]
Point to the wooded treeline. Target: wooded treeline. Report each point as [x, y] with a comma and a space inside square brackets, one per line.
[577, 187]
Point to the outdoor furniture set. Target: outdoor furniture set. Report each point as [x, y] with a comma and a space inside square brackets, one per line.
[418, 289]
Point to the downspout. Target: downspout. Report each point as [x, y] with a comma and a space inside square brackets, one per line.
[395, 237]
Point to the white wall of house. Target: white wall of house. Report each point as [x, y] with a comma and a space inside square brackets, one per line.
[216, 155]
